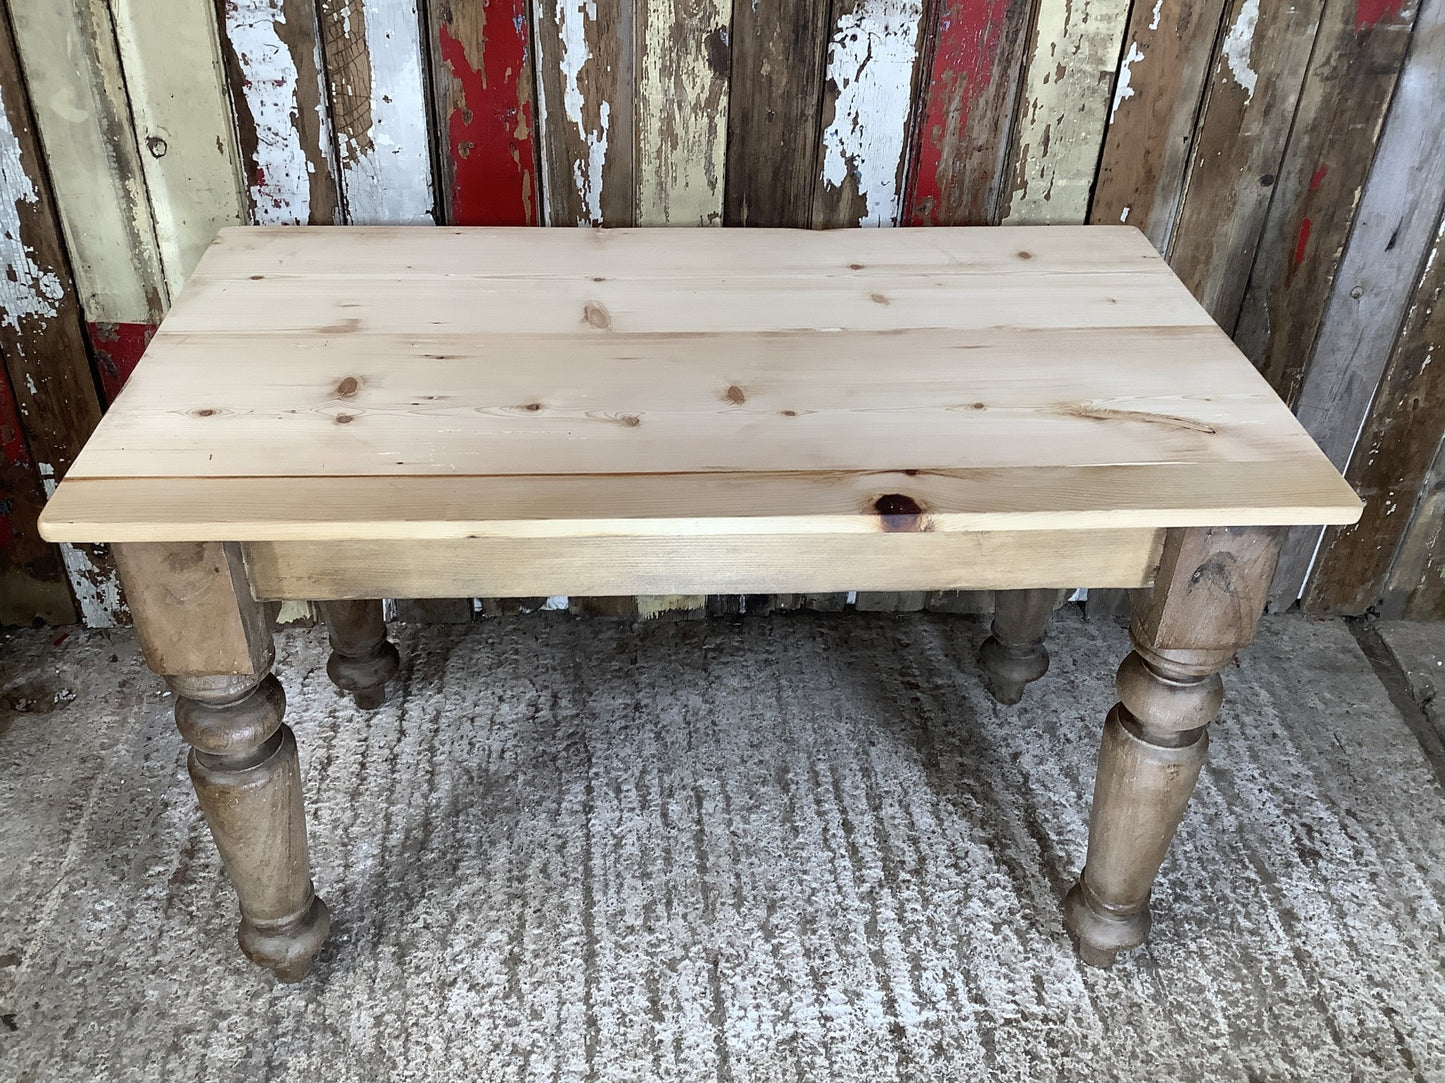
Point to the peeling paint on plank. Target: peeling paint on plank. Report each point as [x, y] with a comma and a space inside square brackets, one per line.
[1151, 120]
[280, 99]
[871, 58]
[117, 348]
[1238, 44]
[27, 290]
[585, 101]
[484, 94]
[682, 111]
[1072, 64]
[962, 136]
[372, 50]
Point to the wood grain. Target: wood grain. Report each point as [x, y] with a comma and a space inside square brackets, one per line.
[1238, 149]
[778, 53]
[736, 564]
[1351, 77]
[1153, 115]
[586, 93]
[973, 54]
[1063, 110]
[719, 379]
[1393, 229]
[1415, 587]
[32, 577]
[486, 104]
[1392, 457]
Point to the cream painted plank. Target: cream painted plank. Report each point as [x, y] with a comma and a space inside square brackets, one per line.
[72, 67]
[502, 253]
[177, 92]
[660, 505]
[373, 61]
[682, 111]
[734, 565]
[1064, 109]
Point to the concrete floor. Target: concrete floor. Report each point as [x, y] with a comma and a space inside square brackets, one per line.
[795, 847]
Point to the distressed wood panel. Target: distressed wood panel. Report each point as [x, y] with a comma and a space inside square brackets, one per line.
[41, 336]
[1153, 114]
[176, 89]
[72, 71]
[682, 124]
[32, 578]
[482, 85]
[1415, 587]
[974, 62]
[1073, 56]
[778, 53]
[1357, 56]
[272, 51]
[586, 84]
[372, 52]
[867, 101]
[1393, 229]
[1393, 455]
[1256, 82]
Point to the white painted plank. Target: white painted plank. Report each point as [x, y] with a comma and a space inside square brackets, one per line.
[374, 58]
[871, 58]
[266, 37]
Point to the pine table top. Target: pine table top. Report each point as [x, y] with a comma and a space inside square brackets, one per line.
[314, 384]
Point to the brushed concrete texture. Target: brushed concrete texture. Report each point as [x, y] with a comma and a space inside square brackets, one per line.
[795, 847]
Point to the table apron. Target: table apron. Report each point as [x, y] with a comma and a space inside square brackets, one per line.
[730, 564]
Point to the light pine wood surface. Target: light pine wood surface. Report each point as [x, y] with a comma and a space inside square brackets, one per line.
[384, 383]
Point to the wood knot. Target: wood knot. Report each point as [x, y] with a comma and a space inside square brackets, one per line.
[344, 419]
[207, 412]
[734, 394]
[630, 420]
[879, 298]
[596, 315]
[1026, 255]
[347, 387]
[899, 513]
[788, 413]
[855, 266]
[532, 407]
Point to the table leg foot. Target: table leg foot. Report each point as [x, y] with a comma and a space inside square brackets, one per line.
[362, 659]
[1204, 605]
[1014, 654]
[247, 777]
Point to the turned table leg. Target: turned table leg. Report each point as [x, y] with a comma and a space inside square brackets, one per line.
[362, 658]
[1206, 601]
[1014, 654]
[201, 629]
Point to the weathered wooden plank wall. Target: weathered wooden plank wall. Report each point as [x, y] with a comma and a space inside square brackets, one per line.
[1289, 160]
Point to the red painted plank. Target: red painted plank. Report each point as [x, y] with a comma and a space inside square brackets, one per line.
[117, 348]
[485, 99]
[963, 122]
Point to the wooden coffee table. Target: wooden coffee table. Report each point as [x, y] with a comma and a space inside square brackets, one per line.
[343, 415]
